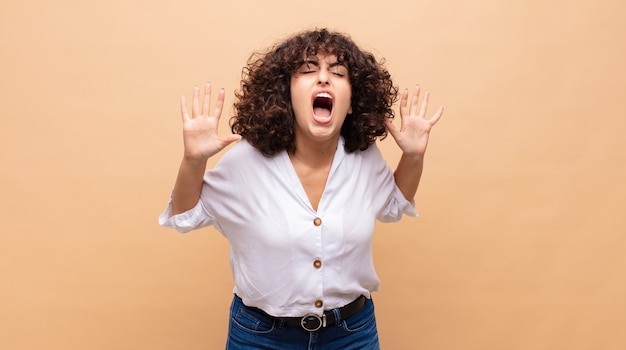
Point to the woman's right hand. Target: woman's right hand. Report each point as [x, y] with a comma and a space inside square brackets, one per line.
[200, 129]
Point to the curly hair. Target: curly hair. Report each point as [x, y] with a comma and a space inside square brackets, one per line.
[263, 111]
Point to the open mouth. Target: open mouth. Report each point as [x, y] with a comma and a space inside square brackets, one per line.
[323, 105]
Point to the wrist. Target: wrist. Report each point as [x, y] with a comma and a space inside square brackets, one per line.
[413, 157]
[194, 162]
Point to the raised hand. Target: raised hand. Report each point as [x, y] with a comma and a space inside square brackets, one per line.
[200, 136]
[412, 136]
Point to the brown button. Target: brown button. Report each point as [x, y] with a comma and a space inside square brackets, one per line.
[319, 303]
[317, 264]
[317, 221]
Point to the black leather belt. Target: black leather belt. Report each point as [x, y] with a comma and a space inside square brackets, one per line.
[313, 322]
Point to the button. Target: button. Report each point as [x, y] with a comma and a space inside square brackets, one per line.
[317, 264]
[317, 221]
[319, 303]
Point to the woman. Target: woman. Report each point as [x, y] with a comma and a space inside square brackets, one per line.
[298, 197]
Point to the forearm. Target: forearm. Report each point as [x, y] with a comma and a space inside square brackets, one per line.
[188, 185]
[408, 174]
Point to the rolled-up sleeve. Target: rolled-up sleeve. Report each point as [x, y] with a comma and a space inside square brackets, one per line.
[396, 207]
[192, 219]
[218, 193]
[391, 202]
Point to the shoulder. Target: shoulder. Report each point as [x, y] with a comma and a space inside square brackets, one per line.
[241, 151]
[371, 154]
[367, 163]
[243, 155]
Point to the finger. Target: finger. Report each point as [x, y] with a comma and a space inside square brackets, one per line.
[436, 117]
[219, 104]
[195, 103]
[183, 108]
[415, 101]
[206, 100]
[424, 105]
[230, 139]
[392, 128]
[403, 103]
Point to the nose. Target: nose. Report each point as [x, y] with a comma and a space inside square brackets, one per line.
[323, 77]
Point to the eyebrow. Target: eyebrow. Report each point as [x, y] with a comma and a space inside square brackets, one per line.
[317, 63]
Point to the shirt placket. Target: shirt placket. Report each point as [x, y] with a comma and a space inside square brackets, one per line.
[317, 266]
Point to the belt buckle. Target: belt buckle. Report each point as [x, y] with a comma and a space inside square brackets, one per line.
[312, 322]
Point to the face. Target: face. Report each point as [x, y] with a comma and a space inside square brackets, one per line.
[320, 96]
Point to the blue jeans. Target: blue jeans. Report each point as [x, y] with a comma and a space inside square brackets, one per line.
[249, 328]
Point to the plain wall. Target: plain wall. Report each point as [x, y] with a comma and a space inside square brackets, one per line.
[521, 239]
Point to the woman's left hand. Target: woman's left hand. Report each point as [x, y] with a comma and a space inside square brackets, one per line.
[412, 136]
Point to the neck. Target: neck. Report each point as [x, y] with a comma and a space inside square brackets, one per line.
[314, 154]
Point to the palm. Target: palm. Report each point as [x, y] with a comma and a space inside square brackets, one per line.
[412, 136]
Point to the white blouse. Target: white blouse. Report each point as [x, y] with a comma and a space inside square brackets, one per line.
[286, 258]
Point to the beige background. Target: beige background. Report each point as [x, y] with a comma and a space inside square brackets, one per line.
[521, 240]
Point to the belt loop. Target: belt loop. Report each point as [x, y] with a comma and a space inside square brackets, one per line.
[281, 322]
[337, 314]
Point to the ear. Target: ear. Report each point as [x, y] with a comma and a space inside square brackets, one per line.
[350, 110]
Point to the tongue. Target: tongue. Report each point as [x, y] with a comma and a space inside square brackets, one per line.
[321, 112]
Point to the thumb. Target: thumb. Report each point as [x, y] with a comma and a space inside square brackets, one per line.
[392, 128]
[230, 139]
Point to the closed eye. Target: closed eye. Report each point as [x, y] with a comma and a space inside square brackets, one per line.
[338, 69]
[309, 67]
[335, 68]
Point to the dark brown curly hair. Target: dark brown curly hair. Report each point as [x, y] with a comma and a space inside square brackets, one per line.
[263, 111]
